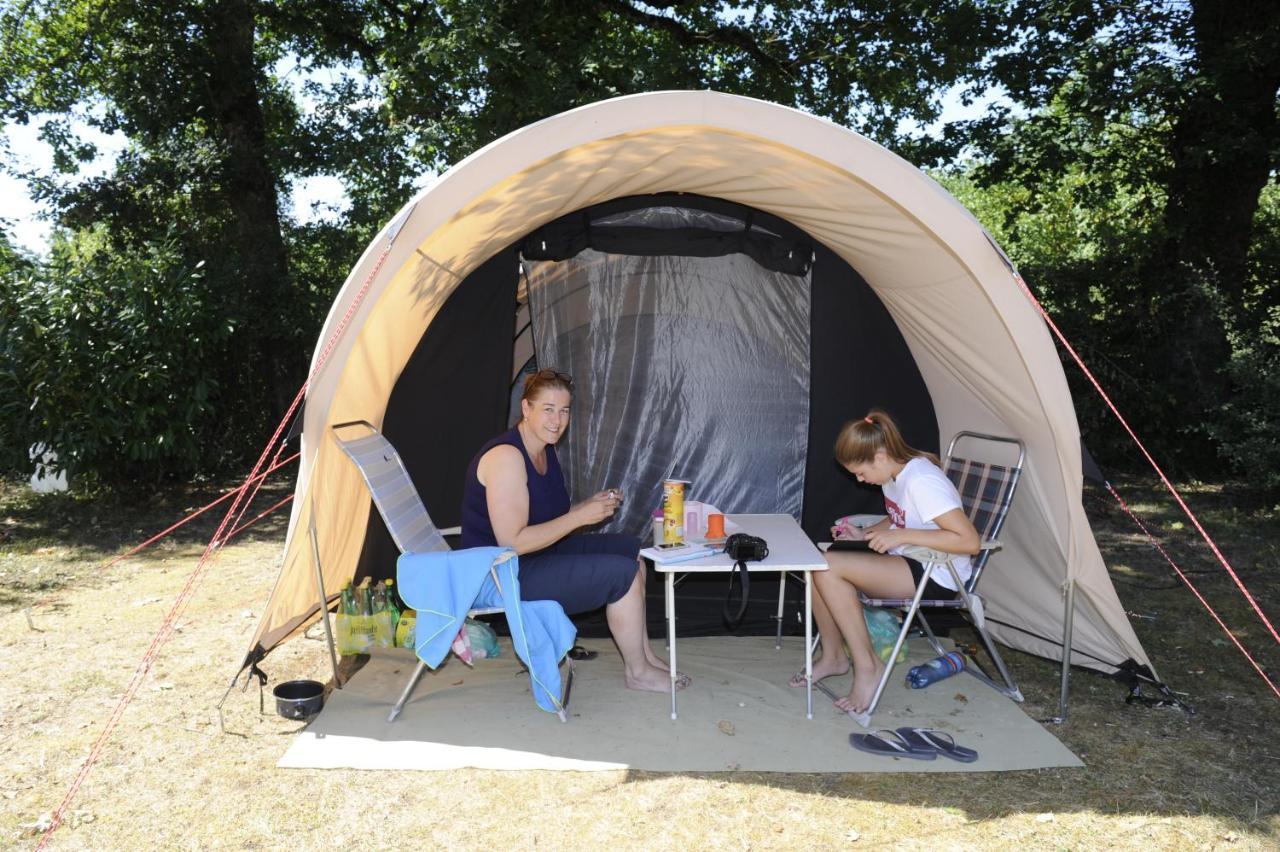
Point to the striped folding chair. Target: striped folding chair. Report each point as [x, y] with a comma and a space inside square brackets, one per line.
[406, 517]
[986, 492]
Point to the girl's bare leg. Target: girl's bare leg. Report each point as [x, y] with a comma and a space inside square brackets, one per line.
[877, 575]
[831, 659]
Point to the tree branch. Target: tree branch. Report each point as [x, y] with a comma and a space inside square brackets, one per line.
[724, 35]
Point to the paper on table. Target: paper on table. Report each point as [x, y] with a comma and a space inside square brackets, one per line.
[680, 553]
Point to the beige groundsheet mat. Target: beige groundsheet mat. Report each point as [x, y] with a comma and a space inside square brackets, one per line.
[738, 714]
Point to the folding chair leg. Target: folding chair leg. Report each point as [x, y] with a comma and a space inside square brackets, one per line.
[929, 634]
[408, 690]
[897, 645]
[1010, 688]
[563, 712]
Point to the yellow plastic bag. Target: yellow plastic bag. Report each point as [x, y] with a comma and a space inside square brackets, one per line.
[354, 634]
[405, 629]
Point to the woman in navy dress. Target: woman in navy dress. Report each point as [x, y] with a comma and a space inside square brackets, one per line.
[515, 497]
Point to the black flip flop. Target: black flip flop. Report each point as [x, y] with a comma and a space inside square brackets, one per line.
[889, 743]
[936, 741]
[577, 652]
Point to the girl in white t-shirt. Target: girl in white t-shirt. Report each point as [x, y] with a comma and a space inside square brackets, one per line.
[924, 509]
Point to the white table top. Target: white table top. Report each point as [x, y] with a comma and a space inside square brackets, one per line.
[789, 548]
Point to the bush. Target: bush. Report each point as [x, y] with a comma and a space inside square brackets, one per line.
[109, 359]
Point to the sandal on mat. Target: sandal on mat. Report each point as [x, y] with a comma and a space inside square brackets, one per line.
[937, 741]
[889, 743]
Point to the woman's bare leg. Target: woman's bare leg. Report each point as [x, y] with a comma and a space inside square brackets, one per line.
[653, 658]
[626, 622]
[877, 575]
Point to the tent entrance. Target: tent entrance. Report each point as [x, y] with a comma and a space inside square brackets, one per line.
[708, 341]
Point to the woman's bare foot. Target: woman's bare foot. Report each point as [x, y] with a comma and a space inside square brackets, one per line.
[822, 668]
[865, 681]
[654, 660]
[650, 679]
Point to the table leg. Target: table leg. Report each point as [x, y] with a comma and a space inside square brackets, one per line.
[808, 643]
[671, 636]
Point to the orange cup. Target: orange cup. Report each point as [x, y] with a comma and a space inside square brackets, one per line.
[715, 525]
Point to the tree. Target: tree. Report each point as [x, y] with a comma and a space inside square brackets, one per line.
[1174, 105]
[1170, 106]
[215, 134]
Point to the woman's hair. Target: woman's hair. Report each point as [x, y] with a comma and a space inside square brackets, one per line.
[536, 383]
[859, 440]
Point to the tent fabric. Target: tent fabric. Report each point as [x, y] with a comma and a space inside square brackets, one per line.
[686, 367]
[981, 348]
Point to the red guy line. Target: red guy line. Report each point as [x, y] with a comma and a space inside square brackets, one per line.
[1194, 591]
[180, 603]
[1167, 484]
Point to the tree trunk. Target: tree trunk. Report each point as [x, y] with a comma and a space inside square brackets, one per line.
[250, 191]
[1225, 136]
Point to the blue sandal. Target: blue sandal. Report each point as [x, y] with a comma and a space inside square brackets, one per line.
[890, 743]
[939, 742]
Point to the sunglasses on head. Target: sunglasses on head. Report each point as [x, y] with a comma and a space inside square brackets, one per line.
[554, 375]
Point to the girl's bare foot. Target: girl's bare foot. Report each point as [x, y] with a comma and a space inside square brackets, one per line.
[865, 681]
[822, 668]
[650, 679]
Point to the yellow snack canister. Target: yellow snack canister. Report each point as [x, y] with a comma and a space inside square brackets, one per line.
[673, 510]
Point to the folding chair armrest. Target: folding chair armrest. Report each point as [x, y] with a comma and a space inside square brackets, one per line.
[927, 554]
[502, 557]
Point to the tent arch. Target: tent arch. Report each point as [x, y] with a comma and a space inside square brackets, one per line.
[983, 351]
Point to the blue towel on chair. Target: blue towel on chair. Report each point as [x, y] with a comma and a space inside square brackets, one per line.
[443, 586]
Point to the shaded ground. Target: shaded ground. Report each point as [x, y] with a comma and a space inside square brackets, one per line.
[169, 777]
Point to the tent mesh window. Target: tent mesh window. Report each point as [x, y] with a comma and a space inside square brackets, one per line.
[687, 367]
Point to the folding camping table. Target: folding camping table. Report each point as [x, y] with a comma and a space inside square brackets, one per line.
[789, 550]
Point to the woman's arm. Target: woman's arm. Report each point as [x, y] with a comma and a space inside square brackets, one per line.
[954, 535]
[501, 472]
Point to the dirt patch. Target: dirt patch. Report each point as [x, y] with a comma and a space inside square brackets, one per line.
[170, 777]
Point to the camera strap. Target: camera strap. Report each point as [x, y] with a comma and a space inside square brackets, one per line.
[732, 619]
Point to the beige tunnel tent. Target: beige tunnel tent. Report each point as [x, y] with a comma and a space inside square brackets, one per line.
[981, 349]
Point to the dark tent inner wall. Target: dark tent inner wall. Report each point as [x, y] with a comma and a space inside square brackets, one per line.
[454, 393]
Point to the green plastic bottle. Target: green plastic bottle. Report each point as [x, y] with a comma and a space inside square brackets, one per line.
[384, 631]
[343, 623]
[393, 606]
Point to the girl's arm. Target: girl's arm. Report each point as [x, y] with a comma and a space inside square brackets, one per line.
[848, 532]
[501, 472]
[954, 535]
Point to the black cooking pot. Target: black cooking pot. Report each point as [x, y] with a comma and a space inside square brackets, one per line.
[298, 699]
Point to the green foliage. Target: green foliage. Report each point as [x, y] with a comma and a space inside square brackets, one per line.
[110, 359]
[1249, 424]
[1122, 174]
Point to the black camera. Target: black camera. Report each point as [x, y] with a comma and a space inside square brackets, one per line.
[746, 548]
[742, 548]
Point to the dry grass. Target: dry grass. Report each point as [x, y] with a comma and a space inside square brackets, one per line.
[169, 777]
